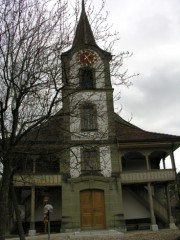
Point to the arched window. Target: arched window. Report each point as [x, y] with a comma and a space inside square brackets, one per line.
[86, 78]
[88, 117]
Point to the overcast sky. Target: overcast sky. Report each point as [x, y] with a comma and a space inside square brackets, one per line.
[151, 30]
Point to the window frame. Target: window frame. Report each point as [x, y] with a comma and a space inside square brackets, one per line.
[90, 164]
[88, 120]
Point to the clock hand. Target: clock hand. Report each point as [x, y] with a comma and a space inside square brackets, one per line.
[86, 57]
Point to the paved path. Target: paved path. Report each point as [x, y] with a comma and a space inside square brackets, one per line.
[111, 235]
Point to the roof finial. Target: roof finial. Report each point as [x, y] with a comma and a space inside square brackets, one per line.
[83, 6]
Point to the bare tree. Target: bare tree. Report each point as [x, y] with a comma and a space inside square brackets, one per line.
[33, 36]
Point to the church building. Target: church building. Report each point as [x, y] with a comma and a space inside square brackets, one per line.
[97, 170]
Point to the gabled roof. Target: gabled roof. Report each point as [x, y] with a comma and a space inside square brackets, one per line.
[84, 34]
[127, 132]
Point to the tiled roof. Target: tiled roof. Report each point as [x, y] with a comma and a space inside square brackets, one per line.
[128, 132]
[53, 130]
[50, 131]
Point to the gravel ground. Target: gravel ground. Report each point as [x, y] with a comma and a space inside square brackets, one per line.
[149, 235]
[137, 235]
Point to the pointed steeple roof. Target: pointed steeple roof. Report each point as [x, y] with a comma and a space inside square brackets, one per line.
[84, 34]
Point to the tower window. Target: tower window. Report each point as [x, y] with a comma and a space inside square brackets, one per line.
[87, 78]
[90, 161]
[88, 117]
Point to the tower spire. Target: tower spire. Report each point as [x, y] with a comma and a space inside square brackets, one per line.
[84, 34]
[83, 6]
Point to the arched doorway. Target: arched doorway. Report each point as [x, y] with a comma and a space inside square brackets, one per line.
[92, 209]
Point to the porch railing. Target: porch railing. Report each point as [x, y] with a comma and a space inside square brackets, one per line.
[37, 180]
[148, 176]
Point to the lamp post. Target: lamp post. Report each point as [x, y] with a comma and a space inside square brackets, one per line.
[48, 208]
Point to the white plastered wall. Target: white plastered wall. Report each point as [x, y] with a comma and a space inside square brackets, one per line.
[99, 99]
[99, 72]
[132, 208]
[75, 161]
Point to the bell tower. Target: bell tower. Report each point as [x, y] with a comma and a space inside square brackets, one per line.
[88, 107]
[87, 93]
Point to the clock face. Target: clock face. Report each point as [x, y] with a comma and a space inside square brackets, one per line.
[86, 57]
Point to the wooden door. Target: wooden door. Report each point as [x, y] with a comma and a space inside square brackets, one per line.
[92, 209]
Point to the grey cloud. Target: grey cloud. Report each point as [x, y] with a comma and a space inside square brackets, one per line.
[155, 101]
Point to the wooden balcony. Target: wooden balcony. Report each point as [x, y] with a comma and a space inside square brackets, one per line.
[37, 180]
[148, 176]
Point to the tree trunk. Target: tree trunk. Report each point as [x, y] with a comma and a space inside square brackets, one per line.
[17, 212]
[4, 196]
[3, 210]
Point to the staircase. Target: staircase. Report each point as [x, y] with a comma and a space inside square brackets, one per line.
[141, 194]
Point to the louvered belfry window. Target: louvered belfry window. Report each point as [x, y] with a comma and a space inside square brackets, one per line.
[86, 78]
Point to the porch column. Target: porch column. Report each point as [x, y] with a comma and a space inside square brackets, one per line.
[147, 161]
[120, 162]
[164, 165]
[154, 226]
[32, 230]
[172, 160]
[171, 219]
